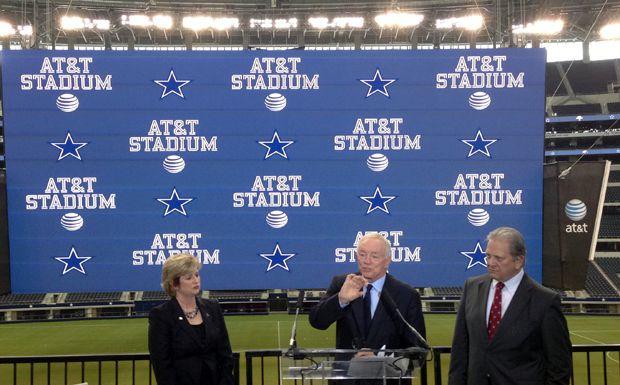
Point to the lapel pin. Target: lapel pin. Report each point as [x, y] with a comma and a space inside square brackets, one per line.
[180, 318]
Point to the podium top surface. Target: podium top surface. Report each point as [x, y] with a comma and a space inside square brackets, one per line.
[333, 352]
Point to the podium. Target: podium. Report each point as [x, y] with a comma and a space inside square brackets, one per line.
[321, 365]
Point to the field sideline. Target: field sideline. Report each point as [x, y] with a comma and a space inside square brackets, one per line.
[255, 333]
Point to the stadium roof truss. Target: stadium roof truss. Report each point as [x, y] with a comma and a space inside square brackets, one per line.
[582, 19]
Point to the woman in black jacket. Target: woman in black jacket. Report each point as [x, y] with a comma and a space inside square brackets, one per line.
[188, 340]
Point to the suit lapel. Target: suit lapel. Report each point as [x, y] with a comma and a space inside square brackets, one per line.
[207, 320]
[481, 307]
[378, 319]
[181, 320]
[357, 310]
[381, 316]
[516, 307]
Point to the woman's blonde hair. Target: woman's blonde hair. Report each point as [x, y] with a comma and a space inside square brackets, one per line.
[175, 267]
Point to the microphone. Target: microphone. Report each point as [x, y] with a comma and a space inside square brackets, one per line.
[292, 348]
[391, 305]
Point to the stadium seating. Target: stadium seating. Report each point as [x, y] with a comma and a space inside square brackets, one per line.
[447, 291]
[613, 194]
[610, 226]
[597, 285]
[154, 295]
[93, 297]
[236, 295]
[611, 267]
[21, 299]
[614, 177]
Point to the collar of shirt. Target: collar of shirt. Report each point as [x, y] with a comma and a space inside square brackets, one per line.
[511, 285]
[377, 287]
[508, 292]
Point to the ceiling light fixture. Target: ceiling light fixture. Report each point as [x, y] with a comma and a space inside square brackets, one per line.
[398, 19]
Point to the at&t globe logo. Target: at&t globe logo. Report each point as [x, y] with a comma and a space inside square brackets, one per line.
[576, 210]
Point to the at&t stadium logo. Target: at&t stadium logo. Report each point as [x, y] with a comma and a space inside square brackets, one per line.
[66, 73]
[378, 134]
[75, 193]
[275, 73]
[400, 253]
[165, 245]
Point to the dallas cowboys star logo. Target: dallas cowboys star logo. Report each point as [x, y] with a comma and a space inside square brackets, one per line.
[69, 147]
[175, 203]
[276, 146]
[277, 258]
[479, 145]
[478, 256]
[378, 201]
[378, 84]
[73, 262]
[172, 85]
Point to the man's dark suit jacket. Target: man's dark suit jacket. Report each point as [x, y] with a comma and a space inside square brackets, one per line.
[178, 355]
[531, 345]
[385, 329]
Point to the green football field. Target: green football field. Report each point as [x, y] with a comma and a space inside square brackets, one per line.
[252, 333]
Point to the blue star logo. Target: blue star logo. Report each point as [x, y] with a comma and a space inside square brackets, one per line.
[378, 84]
[276, 146]
[69, 147]
[478, 256]
[73, 262]
[479, 145]
[378, 201]
[277, 258]
[172, 85]
[175, 203]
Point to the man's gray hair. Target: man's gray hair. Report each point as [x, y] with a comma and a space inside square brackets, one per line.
[375, 235]
[512, 236]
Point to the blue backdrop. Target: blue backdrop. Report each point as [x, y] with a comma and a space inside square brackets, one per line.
[268, 166]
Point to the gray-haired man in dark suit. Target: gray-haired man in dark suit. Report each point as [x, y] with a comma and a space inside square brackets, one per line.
[509, 329]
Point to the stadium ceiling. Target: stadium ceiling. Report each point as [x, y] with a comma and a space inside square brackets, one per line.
[582, 20]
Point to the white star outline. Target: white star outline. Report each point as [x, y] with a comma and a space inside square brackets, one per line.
[275, 139]
[177, 200]
[73, 255]
[176, 85]
[477, 249]
[277, 252]
[378, 195]
[372, 86]
[475, 145]
[69, 140]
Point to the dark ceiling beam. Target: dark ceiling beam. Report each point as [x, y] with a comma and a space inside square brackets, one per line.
[565, 81]
[499, 16]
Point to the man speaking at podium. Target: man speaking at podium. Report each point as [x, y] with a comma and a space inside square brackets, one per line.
[356, 303]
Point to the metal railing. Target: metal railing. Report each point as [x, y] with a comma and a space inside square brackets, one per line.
[261, 367]
[40, 370]
[604, 350]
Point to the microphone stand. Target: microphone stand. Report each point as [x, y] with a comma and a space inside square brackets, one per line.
[389, 301]
[293, 351]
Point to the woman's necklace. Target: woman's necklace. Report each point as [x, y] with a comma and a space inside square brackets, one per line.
[191, 314]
